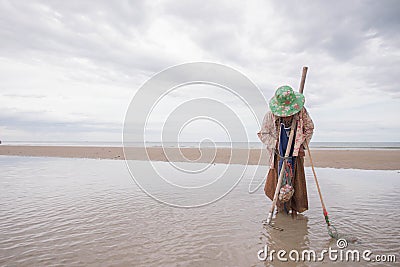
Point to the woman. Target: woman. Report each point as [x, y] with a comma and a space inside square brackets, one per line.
[287, 112]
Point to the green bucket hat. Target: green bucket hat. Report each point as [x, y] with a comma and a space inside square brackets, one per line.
[286, 102]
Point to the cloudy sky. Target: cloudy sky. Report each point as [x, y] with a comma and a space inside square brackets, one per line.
[69, 69]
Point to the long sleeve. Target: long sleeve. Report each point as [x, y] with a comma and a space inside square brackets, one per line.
[305, 130]
[308, 125]
[268, 135]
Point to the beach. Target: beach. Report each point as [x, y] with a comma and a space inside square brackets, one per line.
[373, 159]
[80, 205]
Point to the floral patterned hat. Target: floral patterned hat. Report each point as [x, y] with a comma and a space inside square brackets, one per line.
[286, 102]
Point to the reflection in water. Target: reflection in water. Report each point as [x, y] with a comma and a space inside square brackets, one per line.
[82, 212]
[293, 237]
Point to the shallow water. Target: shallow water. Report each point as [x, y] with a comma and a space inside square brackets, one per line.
[84, 212]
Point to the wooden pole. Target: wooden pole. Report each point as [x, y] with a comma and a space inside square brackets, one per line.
[303, 79]
[316, 181]
[301, 90]
[278, 185]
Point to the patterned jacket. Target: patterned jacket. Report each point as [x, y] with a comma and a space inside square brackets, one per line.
[269, 133]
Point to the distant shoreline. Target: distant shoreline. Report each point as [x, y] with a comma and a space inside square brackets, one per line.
[373, 159]
[235, 145]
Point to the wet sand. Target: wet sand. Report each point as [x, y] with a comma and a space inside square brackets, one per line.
[346, 159]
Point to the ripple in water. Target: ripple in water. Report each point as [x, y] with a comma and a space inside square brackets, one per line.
[82, 212]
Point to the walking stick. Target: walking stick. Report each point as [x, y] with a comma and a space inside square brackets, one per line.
[278, 185]
[331, 229]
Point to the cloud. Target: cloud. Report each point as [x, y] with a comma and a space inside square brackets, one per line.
[24, 96]
[81, 62]
[103, 33]
[38, 126]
